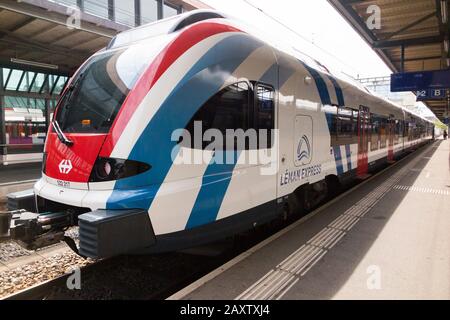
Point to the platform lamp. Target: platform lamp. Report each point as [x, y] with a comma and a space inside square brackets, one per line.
[34, 64]
[444, 11]
[446, 53]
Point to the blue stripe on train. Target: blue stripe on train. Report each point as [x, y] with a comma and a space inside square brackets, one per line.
[320, 83]
[339, 93]
[338, 159]
[349, 157]
[323, 92]
[218, 175]
[326, 100]
[176, 111]
[215, 184]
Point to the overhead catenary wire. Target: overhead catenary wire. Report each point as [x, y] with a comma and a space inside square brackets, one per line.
[278, 21]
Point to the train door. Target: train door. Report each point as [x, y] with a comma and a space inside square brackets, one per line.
[391, 134]
[363, 142]
[403, 132]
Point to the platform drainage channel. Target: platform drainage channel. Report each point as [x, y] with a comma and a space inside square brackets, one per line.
[423, 190]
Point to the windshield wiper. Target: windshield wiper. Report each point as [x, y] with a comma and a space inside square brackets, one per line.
[61, 136]
[71, 89]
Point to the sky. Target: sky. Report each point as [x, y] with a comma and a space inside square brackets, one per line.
[323, 33]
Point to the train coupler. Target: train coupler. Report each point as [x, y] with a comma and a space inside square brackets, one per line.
[32, 230]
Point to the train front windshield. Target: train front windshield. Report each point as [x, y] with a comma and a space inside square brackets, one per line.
[96, 94]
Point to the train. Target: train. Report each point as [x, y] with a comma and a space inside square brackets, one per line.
[195, 128]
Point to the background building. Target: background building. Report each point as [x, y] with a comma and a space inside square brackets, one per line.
[42, 43]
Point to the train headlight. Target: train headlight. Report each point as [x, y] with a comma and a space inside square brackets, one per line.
[109, 169]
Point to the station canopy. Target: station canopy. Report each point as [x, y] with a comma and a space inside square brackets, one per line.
[413, 35]
[38, 32]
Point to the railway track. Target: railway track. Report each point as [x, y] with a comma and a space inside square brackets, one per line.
[42, 290]
[126, 277]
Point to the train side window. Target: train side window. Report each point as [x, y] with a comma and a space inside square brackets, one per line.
[227, 109]
[375, 133]
[405, 129]
[331, 115]
[397, 131]
[355, 122]
[346, 125]
[383, 132]
[264, 113]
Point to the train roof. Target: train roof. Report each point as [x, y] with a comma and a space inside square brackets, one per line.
[164, 26]
[176, 23]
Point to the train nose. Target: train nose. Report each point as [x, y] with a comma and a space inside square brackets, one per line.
[72, 163]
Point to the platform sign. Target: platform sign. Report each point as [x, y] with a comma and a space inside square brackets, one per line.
[431, 94]
[424, 80]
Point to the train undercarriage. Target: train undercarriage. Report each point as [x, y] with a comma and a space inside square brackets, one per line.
[35, 222]
[102, 233]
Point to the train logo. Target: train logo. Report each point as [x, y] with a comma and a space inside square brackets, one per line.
[65, 166]
[304, 150]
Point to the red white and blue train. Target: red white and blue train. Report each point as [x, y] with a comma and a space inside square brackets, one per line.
[111, 163]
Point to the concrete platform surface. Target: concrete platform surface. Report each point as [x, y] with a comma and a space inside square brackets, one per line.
[18, 177]
[20, 172]
[388, 238]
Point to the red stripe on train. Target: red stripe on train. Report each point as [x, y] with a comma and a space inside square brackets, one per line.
[163, 61]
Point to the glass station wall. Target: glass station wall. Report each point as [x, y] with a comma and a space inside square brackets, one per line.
[27, 101]
[131, 13]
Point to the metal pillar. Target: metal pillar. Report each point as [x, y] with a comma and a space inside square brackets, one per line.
[80, 4]
[2, 118]
[403, 58]
[47, 112]
[160, 9]
[137, 12]
[111, 11]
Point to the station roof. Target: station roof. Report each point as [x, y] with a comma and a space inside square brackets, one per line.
[37, 31]
[416, 30]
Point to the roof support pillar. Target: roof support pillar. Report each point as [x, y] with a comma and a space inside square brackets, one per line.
[2, 118]
[111, 11]
[403, 58]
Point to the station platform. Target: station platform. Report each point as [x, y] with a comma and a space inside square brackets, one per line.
[388, 238]
[17, 177]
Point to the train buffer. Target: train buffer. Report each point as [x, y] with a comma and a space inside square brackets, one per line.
[388, 238]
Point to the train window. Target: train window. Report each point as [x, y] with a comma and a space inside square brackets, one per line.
[331, 115]
[375, 136]
[228, 109]
[355, 122]
[264, 112]
[345, 122]
[94, 97]
[383, 132]
[347, 125]
[397, 131]
[405, 129]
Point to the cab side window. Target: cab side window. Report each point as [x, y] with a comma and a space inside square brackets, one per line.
[227, 109]
[240, 106]
[264, 113]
